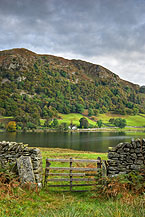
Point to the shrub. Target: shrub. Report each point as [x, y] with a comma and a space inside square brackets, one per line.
[84, 123]
[99, 123]
[120, 122]
[11, 127]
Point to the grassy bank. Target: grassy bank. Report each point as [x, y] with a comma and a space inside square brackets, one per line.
[136, 120]
[134, 123]
[132, 120]
[18, 201]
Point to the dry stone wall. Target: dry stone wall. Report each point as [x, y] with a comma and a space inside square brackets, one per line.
[126, 157]
[10, 152]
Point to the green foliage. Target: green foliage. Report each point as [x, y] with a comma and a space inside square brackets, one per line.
[99, 123]
[120, 122]
[84, 123]
[73, 117]
[120, 186]
[2, 126]
[111, 120]
[122, 197]
[54, 123]
[63, 73]
[48, 85]
[47, 122]
[19, 125]
[31, 125]
[79, 108]
[11, 126]
[90, 112]
[63, 126]
[142, 89]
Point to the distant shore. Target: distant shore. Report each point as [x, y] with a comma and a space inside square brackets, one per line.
[114, 129]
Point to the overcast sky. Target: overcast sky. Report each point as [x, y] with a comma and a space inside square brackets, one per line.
[106, 32]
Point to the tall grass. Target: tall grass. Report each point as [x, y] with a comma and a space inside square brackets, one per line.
[122, 197]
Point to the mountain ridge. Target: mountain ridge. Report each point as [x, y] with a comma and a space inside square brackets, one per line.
[48, 84]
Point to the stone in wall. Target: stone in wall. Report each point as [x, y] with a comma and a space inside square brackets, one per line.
[126, 157]
[11, 151]
[25, 169]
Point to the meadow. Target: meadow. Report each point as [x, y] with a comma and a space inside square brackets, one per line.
[136, 120]
[16, 200]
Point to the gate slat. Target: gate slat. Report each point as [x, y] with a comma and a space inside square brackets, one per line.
[73, 160]
[72, 168]
[73, 179]
[72, 174]
[74, 185]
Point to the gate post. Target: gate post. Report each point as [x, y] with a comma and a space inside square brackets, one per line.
[104, 172]
[46, 171]
[70, 174]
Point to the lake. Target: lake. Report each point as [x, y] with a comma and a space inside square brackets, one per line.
[84, 141]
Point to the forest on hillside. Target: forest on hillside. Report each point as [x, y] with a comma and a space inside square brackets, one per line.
[41, 86]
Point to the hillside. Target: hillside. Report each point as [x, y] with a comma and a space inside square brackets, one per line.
[36, 86]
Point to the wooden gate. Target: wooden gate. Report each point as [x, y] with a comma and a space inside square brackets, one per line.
[87, 173]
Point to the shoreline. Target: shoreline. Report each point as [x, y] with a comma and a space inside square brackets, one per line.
[115, 129]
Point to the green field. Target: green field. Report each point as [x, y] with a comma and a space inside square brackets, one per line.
[67, 153]
[74, 117]
[132, 121]
[26, 201]
[135, 120]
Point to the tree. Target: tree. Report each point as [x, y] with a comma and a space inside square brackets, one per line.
[2, 126]
[11, 127]
[55, 123]
[90, 112]
[84, 123]
[111, 120]
[63, 126]
[47, 122]
[99, 122]
[31, 125]
[79, 108]
[19, 126]
[120, 122]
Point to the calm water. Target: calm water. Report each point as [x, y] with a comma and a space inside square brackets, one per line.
[86, 141]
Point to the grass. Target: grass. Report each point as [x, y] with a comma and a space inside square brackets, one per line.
[135, 120]
[4, 117]
[31, 202]
[74, 117]
[67, 153]
[68, 118]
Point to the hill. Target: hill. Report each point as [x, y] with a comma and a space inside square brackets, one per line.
[34, 86]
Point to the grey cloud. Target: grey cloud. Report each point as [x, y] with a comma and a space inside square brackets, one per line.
[88, 29]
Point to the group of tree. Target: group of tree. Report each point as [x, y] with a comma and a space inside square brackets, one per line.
[85, 124]
[44, 89]
[12, 126]
[118, 122]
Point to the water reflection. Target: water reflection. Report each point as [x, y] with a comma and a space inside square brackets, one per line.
[86, 141]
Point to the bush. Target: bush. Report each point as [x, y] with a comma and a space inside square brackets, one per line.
[99, 123]
[111, 120]
[11, 127]
[63, 127]
[120, 122]
[31, 125]
[123, 185]
[2, 126]
[84, 123]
